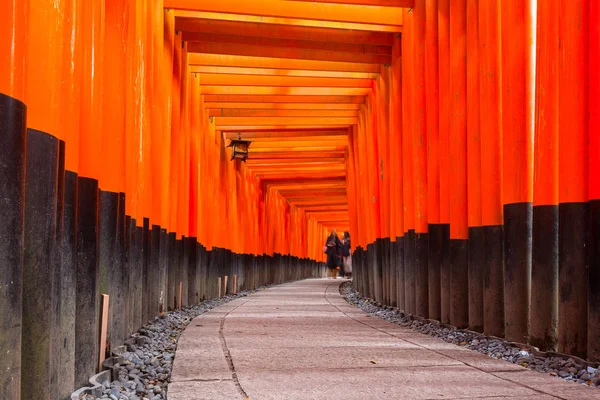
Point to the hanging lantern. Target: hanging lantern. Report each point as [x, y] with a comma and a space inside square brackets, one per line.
[240, 148]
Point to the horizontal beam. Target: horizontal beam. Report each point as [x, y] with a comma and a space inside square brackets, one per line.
[253, 50]
[324, 43]
[281, 72]
[287, 134]
[298, 154]
[234, 98]
[317, 202]
[308, 182]
[262, 29]
[326, 208]
[382, 3]
[223, 60]
[300, 169]
[298, 175]
[280, 106]
[300, 22]
[233, 112]
[292, 189]
[247, 128]
[283, 81]
[291, 9]
[284, 91]
[333, 140]
[244, 121]
[279, 163]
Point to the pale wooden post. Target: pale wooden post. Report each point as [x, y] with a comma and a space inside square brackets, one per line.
[103, 331]
[180, 294]
[219, 286]
[235, 284]
[225, 285]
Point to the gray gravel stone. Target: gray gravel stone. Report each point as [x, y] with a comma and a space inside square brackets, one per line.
[566, 368]
[148, 361]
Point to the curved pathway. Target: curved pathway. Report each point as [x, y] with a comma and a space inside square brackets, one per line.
[303, 341]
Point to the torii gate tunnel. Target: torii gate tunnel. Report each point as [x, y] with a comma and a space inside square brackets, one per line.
[458, 141]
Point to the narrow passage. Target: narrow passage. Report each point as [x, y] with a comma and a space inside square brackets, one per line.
[304, 341]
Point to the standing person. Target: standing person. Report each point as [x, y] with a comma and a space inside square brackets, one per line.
[347, 255]
[332, 249]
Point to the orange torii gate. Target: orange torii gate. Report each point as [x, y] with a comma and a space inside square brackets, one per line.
[457, 140]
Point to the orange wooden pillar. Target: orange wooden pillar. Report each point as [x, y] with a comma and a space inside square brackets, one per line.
[491, 166]
[459, 234]
[13, 50]
[70, 106]
[594, 179]
[385, 175]
[420, 166]
[544, 268]
[476, 255]
[444, 156]
[573, 139]
[432, 100]
[407, 163]
[14, 32]
[518, 83]
[396, 190]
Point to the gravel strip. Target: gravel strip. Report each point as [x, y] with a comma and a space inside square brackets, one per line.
[563, 367]
[146, 371]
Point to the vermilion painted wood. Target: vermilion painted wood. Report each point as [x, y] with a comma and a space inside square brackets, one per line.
[287, 9]
[283, 31]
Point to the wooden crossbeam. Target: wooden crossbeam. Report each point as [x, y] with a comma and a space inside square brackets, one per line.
[287, 91]
[324, 43]
[284, 81]
[382, 3]
[224, 112]
[287, 133]
[300, 22]
[256, 50]
[280, 106]
[245, 121]
[276, 62]
[284, 31]
[292, 9]
[205, 69]
[330, 99]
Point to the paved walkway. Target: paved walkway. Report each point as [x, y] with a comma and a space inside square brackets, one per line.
[303, 341]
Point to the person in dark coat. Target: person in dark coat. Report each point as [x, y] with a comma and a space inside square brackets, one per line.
[347, 255]
[333, 247]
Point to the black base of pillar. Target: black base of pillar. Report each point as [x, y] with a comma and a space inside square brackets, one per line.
[459, 283]
[409, 272]
[544, 278]
[493, 280]
[517, 270]
[12, 186]
[422, 274]
[87, 292]
[445, 273]
[400, 286]
[40, 323]
[434, 262]
[476, 262]
[573, 278]
[594, 294]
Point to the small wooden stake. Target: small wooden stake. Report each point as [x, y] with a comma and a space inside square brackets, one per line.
[219, 285]
[235, 284]
[103, 331]
[225, 285]
[180, 294]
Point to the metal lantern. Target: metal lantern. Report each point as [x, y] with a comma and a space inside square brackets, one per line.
[240, 149]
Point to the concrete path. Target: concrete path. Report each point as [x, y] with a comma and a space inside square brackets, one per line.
[303, 341]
